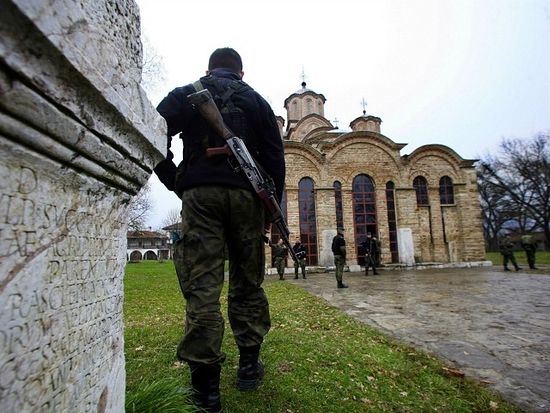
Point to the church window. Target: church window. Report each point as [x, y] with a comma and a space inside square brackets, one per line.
[421, 188]
[392, 221]
[308, 219]
[446, 192]
[364, 211]
[338, 200]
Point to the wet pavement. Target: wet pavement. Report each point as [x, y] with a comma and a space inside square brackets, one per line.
[492, 325]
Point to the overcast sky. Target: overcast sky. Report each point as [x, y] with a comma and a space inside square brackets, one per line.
[461, 73]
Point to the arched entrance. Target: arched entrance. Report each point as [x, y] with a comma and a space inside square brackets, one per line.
[135, 256]
[364, 212]
[150, 255]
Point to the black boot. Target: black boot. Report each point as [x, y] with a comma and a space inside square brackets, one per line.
[205, 379]
[342, 285]
[251, 369]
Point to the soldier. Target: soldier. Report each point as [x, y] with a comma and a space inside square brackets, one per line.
[530, 247]
[220, 207]
[301, 253]
[280, 252]
[339, 251]
[370, 248]
[506, 247]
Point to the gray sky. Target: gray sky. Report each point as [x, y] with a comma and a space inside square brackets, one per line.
[462, 73]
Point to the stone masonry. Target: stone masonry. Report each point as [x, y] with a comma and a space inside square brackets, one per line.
[78, 139]
[316, 150]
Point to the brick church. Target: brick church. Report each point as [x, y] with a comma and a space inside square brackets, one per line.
[423, 207]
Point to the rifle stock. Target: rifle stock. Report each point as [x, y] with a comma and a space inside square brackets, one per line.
[203, 101]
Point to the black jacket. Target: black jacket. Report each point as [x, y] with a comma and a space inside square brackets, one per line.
[262, 130]
[300, 250]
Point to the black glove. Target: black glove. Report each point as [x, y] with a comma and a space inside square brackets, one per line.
[166, 171]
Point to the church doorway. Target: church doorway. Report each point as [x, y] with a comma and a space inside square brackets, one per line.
[364, 212]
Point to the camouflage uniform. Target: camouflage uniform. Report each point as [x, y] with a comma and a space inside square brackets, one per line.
[221, 210]
[339, 251]
[212, 217]
[279, 255]
[300, 252]
[529, 246]
[506, 247]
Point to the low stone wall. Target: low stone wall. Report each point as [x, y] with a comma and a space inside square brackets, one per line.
[78, 138]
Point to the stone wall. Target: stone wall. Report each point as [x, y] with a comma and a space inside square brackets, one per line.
[78, 139]
[435, 233]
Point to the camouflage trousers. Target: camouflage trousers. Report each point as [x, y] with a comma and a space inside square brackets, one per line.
[509, 257]
[302, 264]
[280, 265]
[214, 217]
[339, 263]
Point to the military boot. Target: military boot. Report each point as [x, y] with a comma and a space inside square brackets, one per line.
[205, 379]
[251, 368]
[342, 285]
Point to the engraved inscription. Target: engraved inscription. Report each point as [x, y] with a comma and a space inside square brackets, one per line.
[61, 324]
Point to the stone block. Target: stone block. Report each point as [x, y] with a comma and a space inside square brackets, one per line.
[78, 139]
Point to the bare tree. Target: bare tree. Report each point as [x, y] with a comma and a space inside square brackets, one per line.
[172, 217]
[520, 176]
[494, 209]
[140, 207]
[153, 72]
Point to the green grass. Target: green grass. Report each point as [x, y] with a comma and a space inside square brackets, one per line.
[541, 257]
[317, 358]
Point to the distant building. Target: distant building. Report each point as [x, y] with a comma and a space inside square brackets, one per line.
[147, 245]
[423, 207]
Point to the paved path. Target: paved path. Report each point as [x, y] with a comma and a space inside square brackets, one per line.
[493, 325]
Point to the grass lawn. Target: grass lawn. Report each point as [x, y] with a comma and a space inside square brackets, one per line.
[317, 359]
[541, 257]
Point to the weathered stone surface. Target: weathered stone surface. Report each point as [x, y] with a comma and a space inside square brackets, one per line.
[78, 138]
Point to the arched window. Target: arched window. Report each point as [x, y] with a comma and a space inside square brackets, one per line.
[309, 106]
[446, 191]
[308, 219]
[338, 201]
[364, 211]
[392, 221]
[421, 187]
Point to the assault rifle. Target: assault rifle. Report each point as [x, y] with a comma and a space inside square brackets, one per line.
[236, 149]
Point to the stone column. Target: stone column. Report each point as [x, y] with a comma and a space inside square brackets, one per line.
[326, 224]
[78, 139]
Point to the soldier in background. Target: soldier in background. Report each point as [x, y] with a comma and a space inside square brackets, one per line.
[370, 248]
[530, 247]
[280, 252]
[301, 253]
[506, 247]
[339, 251]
